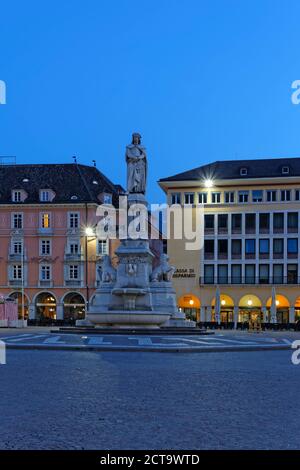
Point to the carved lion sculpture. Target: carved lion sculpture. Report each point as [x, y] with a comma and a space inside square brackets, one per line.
[164, 271]
[106, 272]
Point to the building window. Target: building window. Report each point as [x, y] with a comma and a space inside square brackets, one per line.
[272, 196]
[236, 223]
[209, 273]
[17, 248]
[222, 223]
[278, 222]
[229, 197]
[45, 220]
[74, 248]
[292, 246]
[243, 171]
[17, 272]
[17, 196]
[250, 248]
[44, 196]
[73, 271]
[236, 249]
[209, 222]
[257, 195]
[264, 223]
[292, 273]
[285, 195]
[236, 273]
[215, 198]
[278, 247]
[45, 272]
[102, 247]
[263, 274]
[222, 274]
[292, 222]
[278, 273]
[45, 247]
[222, 249]
[264, 246]
[250, 273]
[17, 222]
[73, 220]
[202, 198]
[175, 198]
[297, 195]
[243, 196]
[189, 198]
[250, 223]
[209, 249]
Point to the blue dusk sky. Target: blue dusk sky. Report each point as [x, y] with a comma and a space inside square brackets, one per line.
[200, 80]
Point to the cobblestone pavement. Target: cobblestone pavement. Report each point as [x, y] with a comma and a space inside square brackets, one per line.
[220, 341]
[112, 400]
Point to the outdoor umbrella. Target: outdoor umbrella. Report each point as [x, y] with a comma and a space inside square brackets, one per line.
[218, 306]
[273, 307]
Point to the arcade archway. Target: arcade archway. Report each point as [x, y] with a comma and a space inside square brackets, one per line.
[190, 305]
[23, 304]
[227, 305]
[250, 308]
[45, 304]
[74, 306]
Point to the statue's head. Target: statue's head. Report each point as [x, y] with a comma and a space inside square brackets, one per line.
[136, 138]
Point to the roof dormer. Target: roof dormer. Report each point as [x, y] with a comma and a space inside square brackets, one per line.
[243, 171]
[46, 195]
[18, 195]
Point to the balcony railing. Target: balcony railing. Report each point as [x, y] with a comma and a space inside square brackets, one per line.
[73, 282]
[284, 280]
[74, 256]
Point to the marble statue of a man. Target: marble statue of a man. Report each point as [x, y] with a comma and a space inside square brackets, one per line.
[136, 159]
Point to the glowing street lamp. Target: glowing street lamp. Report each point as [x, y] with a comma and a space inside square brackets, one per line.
[89, 232]
[208, 183]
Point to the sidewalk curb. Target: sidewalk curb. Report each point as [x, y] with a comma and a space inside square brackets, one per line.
[96, 348]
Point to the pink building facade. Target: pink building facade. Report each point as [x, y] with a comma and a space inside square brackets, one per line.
[49, 252]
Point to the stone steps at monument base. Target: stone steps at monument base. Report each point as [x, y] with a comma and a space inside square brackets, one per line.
[133, 331]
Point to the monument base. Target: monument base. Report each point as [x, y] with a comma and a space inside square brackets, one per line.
[179, 323]
[127, 319]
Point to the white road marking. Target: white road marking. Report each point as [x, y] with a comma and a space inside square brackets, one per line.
[54, 340]
[98, 340]
[142, 341]
[198, 341]
[16, 336]
[30, 337]
[287, 341]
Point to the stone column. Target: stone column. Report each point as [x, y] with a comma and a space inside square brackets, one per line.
[292, 315]
[265, 314]
[202, 314]
[235, 316]
[31, 312]
[59, 312]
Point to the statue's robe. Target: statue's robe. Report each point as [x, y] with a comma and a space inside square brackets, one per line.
[136, 168]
